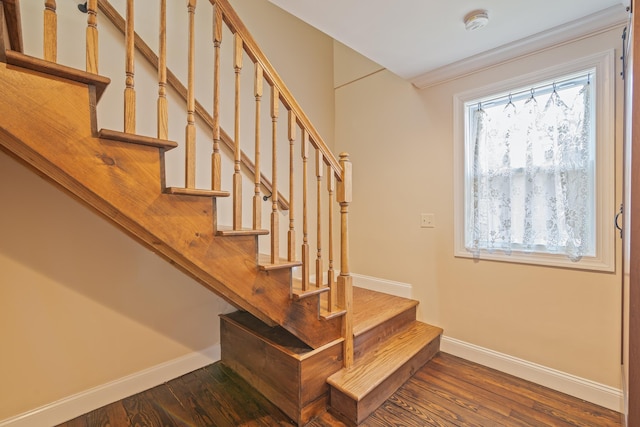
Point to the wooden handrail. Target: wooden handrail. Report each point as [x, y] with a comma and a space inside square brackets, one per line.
[118, 21]
[251, 48]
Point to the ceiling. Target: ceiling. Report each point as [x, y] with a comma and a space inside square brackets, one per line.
[414, 38]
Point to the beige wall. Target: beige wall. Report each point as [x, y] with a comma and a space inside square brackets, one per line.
[81, 303]
[401, 144]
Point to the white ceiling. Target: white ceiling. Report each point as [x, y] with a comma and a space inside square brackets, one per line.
[415, 37]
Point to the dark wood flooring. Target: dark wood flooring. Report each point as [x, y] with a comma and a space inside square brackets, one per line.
[448, 391]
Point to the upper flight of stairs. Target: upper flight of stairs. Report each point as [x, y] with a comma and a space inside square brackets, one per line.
[48, 120]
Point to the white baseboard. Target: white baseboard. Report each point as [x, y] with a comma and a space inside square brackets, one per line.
[88, 400]
[591, 391]
[398, 289]
[381, 285]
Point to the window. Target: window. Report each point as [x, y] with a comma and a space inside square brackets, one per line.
[534, 176]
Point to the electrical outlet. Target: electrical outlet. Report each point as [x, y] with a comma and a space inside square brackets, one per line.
[427, 220]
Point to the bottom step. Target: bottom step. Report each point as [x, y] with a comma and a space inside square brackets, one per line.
[357, 392]
[281, 367]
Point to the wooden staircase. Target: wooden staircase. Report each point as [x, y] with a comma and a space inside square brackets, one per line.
[304, 346]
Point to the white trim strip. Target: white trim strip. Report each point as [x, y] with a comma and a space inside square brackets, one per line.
[398, 289]
[608, 19]
[390, 287]
[591, 391]
[73, 406]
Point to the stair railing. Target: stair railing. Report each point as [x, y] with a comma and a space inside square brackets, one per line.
[338, 171]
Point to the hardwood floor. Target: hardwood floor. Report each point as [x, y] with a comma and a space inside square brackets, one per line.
[448, 391]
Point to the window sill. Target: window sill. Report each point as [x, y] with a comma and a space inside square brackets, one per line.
[600, 264]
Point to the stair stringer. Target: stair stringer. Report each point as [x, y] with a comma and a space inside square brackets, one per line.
[49, 122]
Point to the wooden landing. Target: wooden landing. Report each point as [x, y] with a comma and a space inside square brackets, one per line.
[377, 316]
[371, 308]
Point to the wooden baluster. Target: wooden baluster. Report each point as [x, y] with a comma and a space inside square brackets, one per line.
[331, 187]
[190, 130]
[305, 184]
[129, 91]
[257, 202]
[163, 113]
[50, 31]
[291, 247]
[275, 235]
[216, 162]
[92, 36]
[345, 281]
[319, 171]
[237, 178]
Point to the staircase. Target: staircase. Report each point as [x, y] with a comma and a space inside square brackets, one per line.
[335, 345]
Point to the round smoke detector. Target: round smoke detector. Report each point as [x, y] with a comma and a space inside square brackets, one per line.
[476, 19]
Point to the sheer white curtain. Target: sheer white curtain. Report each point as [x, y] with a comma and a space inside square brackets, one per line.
[532, 174]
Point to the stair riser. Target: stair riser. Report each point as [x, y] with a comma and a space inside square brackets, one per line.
[371, 338]
[356, 412]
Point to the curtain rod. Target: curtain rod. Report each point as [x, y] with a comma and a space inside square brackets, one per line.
[547, 87]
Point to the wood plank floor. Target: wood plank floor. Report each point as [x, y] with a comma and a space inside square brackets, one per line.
[448, 391]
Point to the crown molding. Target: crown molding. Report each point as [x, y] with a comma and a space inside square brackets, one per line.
[588, 26]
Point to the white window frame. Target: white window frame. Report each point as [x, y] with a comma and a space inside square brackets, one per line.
[604, 259]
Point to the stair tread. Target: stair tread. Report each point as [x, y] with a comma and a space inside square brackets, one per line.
[298, 293]
[371, 308]
[229, 231]
[265, 264]
[370, 371]
[327, 315]
[40, 65]
[197, 192]
[133, 138]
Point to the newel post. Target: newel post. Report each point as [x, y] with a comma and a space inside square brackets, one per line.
[345, 281]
